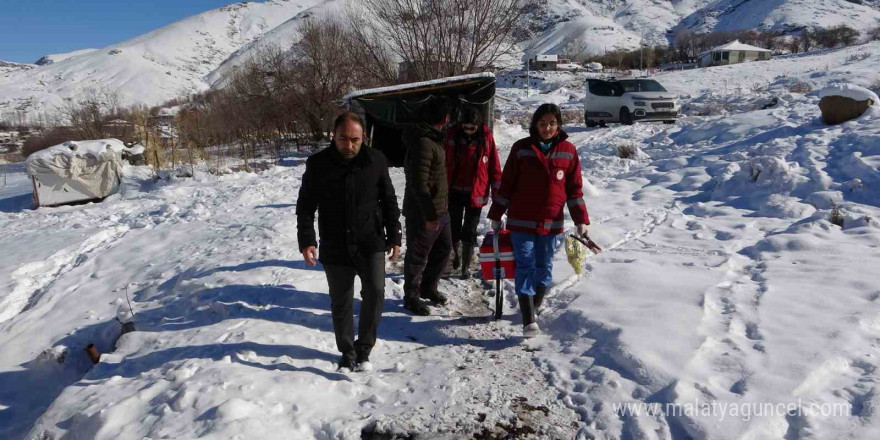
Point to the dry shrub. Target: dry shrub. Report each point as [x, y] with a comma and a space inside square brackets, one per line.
[627, 150]
[836, 216]
[800, 87]
[47, 139]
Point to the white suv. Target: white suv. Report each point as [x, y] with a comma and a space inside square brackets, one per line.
[627, 101]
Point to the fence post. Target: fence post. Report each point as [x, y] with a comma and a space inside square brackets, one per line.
[192, 166]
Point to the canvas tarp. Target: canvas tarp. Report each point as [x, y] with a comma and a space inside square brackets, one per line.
[389, 110]
[76, 171]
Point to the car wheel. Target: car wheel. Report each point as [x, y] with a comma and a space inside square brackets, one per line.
[588, 122]
[626, 117]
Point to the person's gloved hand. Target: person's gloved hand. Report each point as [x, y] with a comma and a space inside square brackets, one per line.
[496, 225]
[583, 231]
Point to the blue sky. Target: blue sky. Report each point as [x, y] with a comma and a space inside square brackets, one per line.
[30, 29]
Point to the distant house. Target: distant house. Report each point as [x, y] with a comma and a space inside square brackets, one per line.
[732, 53]
[544, 62]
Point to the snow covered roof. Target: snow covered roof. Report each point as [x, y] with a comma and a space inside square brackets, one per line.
[416, 85]
[136, 149]
[736, 45]
[547, 58]
[851, 91]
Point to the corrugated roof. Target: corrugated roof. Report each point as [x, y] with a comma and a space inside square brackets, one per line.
[417, 85]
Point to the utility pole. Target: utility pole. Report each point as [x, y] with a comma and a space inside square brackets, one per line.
[641, 56]
[528, 78]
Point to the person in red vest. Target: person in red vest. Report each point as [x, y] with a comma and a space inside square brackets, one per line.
[542, 175]
[473, 171]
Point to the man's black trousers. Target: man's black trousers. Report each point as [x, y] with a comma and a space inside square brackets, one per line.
[371, 270]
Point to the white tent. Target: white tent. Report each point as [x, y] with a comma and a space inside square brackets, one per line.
[76, 171]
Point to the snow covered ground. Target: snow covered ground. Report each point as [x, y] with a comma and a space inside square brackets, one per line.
[726, 305]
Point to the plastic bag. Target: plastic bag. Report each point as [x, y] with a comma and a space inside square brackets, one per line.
[576, 252]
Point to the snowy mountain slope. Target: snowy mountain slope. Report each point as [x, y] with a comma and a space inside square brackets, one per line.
[154, 67]
[54, 58]
[197, 52]
[596, 26]
[282, 36]
[778, 15]
[7, 67]
[723, 287]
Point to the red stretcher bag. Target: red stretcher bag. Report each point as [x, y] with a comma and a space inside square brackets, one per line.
[496, 254]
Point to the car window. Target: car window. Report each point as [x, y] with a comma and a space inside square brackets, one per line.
[600, 88]
[642, 85]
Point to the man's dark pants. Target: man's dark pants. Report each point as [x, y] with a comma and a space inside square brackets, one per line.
[427, 252]
[371, 270]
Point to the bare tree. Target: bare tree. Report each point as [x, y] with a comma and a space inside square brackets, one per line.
[92, 115]
[807, 39]
[322, 72]
[436, 38]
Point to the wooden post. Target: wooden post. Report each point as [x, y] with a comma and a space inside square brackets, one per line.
[158, 164]
[93, 353]
[192, 166]
[36, 194]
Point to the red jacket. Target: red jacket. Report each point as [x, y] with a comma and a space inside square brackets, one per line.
[536, 186]
[472, 166]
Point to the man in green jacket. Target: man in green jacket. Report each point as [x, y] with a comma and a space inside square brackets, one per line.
[425, 205]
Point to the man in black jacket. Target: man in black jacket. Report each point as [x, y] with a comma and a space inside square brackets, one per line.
[358, 221]
[426, 207]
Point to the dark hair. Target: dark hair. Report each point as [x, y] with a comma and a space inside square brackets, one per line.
[435, 110]
[348, 117]
[470, 115]
[545, 109]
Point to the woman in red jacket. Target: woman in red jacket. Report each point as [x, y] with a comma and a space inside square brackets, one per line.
[473, 172]
[542, 175]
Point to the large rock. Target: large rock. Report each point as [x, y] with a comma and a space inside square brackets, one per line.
[845, 102]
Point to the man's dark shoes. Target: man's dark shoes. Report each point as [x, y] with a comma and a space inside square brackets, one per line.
[346, 363]
[416, 306]
[436, 298]
[362, 363]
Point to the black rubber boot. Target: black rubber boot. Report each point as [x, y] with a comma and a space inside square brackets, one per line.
[540, 291]
[416, 306]
[467, 254]
[526, 306]
[456, 256]
[436, 298]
